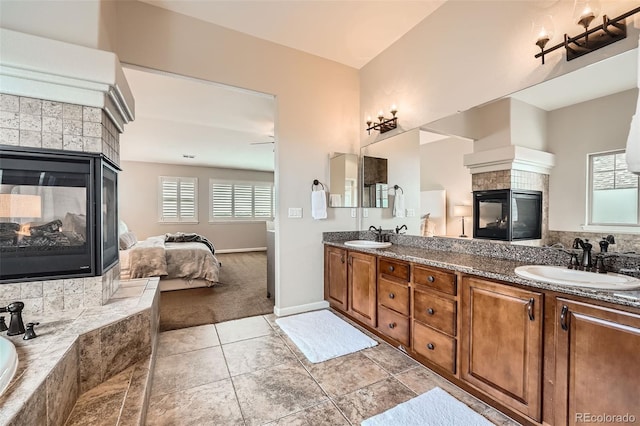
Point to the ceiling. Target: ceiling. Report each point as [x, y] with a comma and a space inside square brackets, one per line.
[349, 32]
[221, 126]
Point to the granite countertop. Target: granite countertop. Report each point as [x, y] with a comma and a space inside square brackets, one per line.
[57, 333]
[491, 267]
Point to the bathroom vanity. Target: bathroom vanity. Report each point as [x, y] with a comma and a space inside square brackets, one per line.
[541, 353]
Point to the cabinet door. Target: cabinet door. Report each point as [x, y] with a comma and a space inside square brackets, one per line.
[597, 358]
[335, 277]
[362, 287]
[501, 346]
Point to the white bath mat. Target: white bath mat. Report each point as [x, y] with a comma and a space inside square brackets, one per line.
[321, 335]
[434, 408]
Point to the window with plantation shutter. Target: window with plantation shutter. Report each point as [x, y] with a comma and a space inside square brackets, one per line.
[240, 200]
[178, 199]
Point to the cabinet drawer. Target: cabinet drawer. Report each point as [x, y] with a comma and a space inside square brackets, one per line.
[393, 268]
[435, 279]
[393, 325]
[435, 311]
[393, 295]
[435, 346]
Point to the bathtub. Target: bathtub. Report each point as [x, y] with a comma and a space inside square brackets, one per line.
[8, 363]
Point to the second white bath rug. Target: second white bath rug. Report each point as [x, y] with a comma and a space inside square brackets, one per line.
[321, 335]
[434, 408]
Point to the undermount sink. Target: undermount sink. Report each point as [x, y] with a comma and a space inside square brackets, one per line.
[367, 244]
[561, 275]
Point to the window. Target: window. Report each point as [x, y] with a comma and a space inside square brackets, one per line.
[613, 190]
[240, 200]
[178, 199]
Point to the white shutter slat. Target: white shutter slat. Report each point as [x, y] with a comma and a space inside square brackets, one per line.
[240, 200]
[178, 199]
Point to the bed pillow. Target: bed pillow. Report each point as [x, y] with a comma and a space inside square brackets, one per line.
[127, 240]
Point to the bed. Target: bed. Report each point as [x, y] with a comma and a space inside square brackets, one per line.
[180, 260]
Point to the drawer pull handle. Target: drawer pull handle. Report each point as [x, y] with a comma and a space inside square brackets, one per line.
[391, 268]
[563, 317]
[342, 258]
[392, 325]
[431, 278]
[431, 346]
[430, 311]
[392, 296]
[530, 308]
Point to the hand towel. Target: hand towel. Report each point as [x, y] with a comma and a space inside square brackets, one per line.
[319, 204]
[335, 200]
[633, 141]
[398, 205]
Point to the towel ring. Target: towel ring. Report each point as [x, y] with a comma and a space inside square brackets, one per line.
[316, 182]
[396, 187]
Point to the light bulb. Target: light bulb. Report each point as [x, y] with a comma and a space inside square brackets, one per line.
[585, 11]
[393, 110]
[380, 115]
[543, 30]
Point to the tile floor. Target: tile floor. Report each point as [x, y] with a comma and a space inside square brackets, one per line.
[248, 372]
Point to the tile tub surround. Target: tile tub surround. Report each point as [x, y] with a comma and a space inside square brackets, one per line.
[477, 260]
[77, 350]
[41, 124]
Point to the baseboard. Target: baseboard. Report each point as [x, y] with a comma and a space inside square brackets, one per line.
[283, 312]
[241, 250]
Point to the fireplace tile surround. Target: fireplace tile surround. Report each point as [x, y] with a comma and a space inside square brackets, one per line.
[37, 123]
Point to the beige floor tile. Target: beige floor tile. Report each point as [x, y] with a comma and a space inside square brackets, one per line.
[272, 393]
[187, 339]
[242, 329]
[420, 379]
[213, 404]
[323, 414]
[253, 354]
[183, 371]
[346, 374]
[373, 399]
[391, 359]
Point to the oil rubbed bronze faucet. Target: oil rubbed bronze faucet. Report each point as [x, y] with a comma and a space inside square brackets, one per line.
[586, 263]
[16, 326]
[378, 231]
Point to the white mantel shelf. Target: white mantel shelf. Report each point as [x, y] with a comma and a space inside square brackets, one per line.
[43, 68]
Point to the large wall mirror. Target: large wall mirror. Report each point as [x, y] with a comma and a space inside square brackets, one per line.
[583, 112]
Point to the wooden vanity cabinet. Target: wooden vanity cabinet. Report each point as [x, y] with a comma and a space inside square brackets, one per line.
[501, 343]
[393, 300]
[434, 316]
[335, 278]
[597, 357]
[350, 283]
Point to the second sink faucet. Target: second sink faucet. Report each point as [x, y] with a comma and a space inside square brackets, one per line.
[378, 231]
[586, 247]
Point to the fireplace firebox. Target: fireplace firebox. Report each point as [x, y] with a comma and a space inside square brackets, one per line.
[58, 215]
[507, 214]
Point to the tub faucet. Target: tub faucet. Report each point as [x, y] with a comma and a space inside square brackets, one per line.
[378, 231]
[16, 326]
[586, 246]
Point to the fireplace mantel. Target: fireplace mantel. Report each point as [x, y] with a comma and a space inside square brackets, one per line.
[42, 68]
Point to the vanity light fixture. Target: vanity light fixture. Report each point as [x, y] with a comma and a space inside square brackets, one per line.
[384, 124]
[585, 11]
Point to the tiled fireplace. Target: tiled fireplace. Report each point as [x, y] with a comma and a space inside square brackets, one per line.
[59, 157]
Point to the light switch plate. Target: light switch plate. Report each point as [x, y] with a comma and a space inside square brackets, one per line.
[365, 212]
[411, 212]
[295, 212]
[353, 212]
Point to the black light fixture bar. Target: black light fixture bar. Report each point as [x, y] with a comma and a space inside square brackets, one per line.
[610, 31]
[383, 126]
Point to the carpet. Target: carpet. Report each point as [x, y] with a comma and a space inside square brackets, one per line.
[242, 292]
[434, 408]
[321, 335]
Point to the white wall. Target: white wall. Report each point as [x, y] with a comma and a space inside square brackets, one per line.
[441, 167]
[317, 113]
[573, 132]
[138, 201]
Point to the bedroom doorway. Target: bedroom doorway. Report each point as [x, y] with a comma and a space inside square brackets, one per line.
[221, 140]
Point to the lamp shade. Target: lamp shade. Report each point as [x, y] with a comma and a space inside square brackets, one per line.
[20, 205]
[462, 211]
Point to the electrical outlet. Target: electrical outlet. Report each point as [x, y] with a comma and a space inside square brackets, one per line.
[353, 212]
[411, 212]
[295, 212]
[365, 212]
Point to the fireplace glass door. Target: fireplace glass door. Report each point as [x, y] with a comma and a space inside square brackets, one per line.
[507, 214]
[45, 216]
